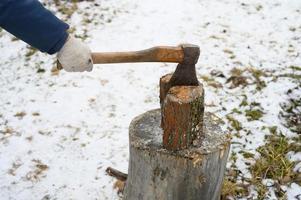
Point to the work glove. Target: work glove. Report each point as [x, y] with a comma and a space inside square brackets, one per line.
[75, 56]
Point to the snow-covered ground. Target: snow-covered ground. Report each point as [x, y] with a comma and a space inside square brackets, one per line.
[59, 131]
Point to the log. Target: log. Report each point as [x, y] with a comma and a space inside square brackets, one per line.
[117, 174]
[164, 87]
[182, 117]
[156, 173]
[182, 111]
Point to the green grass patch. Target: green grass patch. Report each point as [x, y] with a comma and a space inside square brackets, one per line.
[274, 164]
[247, 155]
[232, 189]
[235, 124]
[257, 75]
[254, 114]
[211, 81]
[244, 102]
[296, 68]
[31, 51]
[291, 111]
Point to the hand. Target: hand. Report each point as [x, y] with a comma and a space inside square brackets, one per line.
[75, 56]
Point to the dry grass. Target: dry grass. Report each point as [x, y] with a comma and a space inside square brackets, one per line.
[38, 171]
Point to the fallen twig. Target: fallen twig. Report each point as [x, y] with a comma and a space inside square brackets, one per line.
[117, 174]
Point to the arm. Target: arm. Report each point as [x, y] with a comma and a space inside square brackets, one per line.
[32, 23]
[37, 26]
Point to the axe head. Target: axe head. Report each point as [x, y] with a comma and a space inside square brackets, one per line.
[185, 73]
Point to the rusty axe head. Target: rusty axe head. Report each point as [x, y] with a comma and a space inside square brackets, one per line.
[185, 73]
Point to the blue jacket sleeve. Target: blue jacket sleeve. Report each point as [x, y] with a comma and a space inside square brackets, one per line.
[34, 24]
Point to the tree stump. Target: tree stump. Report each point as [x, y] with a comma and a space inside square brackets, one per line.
[156, 173]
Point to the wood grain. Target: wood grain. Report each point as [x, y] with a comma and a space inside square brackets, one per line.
[155, 54]
[182, 117]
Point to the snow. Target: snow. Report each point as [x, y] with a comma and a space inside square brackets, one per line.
[82, 126]
[294, 192]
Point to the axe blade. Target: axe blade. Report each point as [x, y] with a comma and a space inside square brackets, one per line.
[185, 73]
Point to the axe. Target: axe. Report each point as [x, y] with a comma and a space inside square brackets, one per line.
[186, 55]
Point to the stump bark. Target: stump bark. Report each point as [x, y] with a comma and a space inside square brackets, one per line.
[156, 173]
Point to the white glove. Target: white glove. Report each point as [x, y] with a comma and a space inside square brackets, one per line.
[75, 56]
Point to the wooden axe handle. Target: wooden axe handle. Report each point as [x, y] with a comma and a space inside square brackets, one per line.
[155, 54]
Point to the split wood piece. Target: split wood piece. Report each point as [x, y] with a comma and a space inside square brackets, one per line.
[164, 87]
[182, 117]
[156, 173]
[117, 174]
